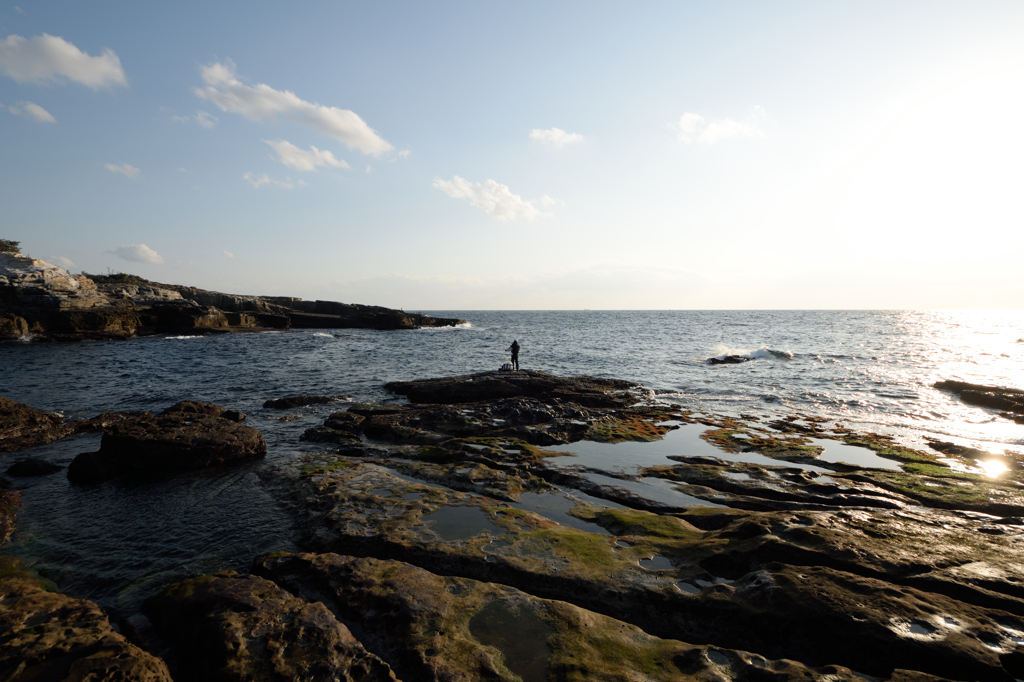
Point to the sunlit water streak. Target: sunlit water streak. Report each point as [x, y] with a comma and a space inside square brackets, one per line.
[118, 542]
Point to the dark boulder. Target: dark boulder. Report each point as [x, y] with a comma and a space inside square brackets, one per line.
[22, 426]
[996, 397]
[728, 360]
[189, 435]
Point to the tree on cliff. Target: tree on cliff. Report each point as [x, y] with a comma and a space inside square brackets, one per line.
[10, 246]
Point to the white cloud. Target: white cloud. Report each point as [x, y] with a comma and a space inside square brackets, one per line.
[125, 169]
[260, 180]
[688, 126]
[139, 253]
[49, 58]
[228, 254]
[65, 263]
[405, 153]
[494, 198]
[203, 119]
[693, 127]
[300, 159]
[556, 137]
[264, 103]
[32, 110]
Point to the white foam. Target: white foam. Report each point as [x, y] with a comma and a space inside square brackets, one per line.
[329, 336]
[764, 352]
[184, 337]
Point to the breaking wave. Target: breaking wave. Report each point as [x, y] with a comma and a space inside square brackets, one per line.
[762, 353]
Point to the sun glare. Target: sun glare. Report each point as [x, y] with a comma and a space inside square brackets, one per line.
[943, 183]
[993, 468]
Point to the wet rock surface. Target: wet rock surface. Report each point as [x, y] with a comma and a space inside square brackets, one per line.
[996, 397]
[463, 538]
[728, 360]
[45, 635]
[187, 435]
[469, 388]
[23, 426]
[909, 571]
[227, 627]
[436, 627]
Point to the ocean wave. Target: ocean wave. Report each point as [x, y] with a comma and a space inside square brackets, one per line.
[467, 325]
[184, 337]
[731, 356]
[324, 334]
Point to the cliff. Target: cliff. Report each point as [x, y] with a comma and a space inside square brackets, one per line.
[43, 301]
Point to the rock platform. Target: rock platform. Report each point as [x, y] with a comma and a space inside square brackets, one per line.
[446, 539]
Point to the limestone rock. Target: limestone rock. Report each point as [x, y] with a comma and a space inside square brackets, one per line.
[448, 628]
[45, 635]
[10, 500]
[588, 391]
[189, 435]
[229, 627]
[22, 426]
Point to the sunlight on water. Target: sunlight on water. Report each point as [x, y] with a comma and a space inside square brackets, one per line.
[993, 468]
[867, 370]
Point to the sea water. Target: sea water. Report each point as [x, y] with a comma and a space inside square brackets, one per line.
[116, 543]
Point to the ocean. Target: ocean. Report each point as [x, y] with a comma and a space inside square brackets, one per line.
[119, 542]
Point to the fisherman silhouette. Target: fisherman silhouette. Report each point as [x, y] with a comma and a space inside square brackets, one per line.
[515, 353]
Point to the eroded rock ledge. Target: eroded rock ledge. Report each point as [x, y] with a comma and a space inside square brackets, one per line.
[43, 301]
[443, 540]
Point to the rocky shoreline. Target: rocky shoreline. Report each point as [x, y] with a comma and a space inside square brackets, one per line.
[39, 300]
[451, 538]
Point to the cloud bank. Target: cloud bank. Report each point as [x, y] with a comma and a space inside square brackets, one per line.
[33, 111]
[264, 103]
[695, 128]
[494, 198]
[300, 159]
[49, 58]
[124, 169]
[556, 137]
[138, 253]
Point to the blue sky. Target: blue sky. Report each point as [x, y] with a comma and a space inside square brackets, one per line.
[524, 155]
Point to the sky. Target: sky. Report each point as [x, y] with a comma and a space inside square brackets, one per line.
[524, 155]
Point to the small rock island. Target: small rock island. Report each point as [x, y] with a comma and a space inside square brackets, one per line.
[43, 301]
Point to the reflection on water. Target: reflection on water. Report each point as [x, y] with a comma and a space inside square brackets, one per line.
[836, 451]
[114, 542]
[460, 523]
[119, 542]
[631, 455]
[518, 634]
[555, 506]
[993, 468]
[655, 489]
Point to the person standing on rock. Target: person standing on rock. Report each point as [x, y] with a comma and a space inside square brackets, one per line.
[515, 353]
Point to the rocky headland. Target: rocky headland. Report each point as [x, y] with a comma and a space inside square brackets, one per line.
[456, 537]
[43, 301]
